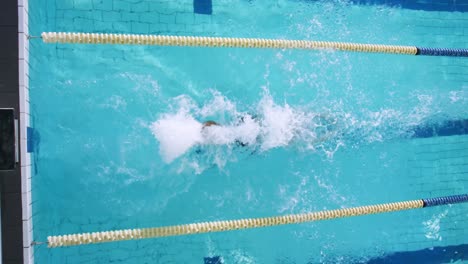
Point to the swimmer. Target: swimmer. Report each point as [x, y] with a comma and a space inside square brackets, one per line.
[324, 126]
[210, 123]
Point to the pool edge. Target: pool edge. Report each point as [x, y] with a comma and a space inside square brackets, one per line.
[24, 123]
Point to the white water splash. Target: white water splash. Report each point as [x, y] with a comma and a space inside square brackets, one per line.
[273, 126]
[278, 124]
[180, 131]
[432, 226]
[176, 133]
[242, 257]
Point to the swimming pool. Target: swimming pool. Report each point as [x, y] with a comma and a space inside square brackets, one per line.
[105, 115]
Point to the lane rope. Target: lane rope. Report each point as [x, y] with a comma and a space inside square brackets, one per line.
[197, 41]
[219, 226]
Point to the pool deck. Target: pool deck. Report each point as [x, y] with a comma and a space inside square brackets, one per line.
[15, 185]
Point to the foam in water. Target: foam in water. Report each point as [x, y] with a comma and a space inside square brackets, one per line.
[176, 133]
[278, 123]
[245, 132]
[432, 226]
[273, 125]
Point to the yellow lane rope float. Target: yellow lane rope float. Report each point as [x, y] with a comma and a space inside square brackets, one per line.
[194, 41]
[218, 226]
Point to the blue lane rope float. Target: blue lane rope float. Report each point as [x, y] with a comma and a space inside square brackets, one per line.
[196, 41]
[219, 226]
[445, 200]
[442, 52]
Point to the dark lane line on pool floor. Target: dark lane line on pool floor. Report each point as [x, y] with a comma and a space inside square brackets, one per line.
[445, 128]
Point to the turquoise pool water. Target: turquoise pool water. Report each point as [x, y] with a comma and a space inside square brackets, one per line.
[331, 130]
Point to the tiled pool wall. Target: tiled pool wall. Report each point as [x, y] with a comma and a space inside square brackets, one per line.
[140, 17]
[26, 195]
[440, 169]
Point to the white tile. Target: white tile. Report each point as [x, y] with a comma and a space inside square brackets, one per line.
[25, 67]
[22, 38]
[24, 206]
[25, 179]
[29, 200]
[31, 252]
[27, 233]
[28, 184]
[23, 150]
[28, 159]
[26, 94]
[24, 100]
[23, 126]
[23, 48]
[26, 54]
[28, 256]
[26, 108]
[27, 118]
[22, 20]
[25, 156]
[23, 3]
[26, 45]
[23, 70]
[31, 259]
[22, 75]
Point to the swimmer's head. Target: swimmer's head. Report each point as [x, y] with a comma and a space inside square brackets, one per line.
[207, 133]
[210, 123]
